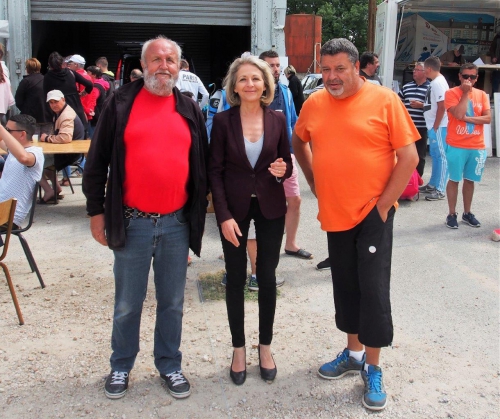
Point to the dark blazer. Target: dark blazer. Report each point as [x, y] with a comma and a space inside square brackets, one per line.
[232, 178]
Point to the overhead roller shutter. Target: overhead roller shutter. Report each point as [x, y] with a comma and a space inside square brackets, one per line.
[196, 12]
[196, 43]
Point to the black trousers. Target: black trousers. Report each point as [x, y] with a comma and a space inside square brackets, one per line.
[269, 235]
[361, 270]
[421, 150]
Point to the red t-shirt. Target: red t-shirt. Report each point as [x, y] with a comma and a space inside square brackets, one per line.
[157, 143]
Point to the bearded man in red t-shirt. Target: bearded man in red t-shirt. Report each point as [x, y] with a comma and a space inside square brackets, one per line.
[151, 209]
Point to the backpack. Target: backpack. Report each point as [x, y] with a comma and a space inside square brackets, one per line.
[217, 103]
[111, 82]
[411, 190]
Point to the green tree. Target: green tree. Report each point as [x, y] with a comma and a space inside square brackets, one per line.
[341, 18]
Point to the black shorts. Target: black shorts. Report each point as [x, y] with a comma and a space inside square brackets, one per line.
[361, 272]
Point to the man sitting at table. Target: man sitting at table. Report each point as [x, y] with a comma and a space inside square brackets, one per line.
[67, 127]
[453, 57]
[23, 166]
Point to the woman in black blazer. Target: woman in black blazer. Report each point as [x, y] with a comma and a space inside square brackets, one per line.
[249, 159]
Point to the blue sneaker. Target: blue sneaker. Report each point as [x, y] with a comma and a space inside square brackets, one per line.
[375, 397]
[470, 219]
[451, 221]
[340, 366]
[253, 284]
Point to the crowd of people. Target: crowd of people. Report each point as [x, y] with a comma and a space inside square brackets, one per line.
[247, 155]
[250, 166]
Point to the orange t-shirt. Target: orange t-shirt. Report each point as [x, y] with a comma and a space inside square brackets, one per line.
[461, 134]
[353, 142]
[157, 144]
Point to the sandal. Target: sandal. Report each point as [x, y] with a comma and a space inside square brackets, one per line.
[301, 253]
[43, 202]
[64, 182]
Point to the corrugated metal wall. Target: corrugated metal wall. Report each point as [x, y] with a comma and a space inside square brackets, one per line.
[197, 12]
[195, 41]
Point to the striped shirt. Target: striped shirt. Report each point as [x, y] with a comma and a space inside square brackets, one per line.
[411, 91]
[18, 181]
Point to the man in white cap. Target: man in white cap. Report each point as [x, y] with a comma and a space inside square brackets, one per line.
[77, 64]
[67, 127]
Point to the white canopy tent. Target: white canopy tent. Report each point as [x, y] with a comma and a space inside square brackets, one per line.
[387, 24]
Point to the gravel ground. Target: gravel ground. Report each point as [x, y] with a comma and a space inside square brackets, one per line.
[444, 362]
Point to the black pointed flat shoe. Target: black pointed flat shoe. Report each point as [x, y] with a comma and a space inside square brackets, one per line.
[268, 374]
[238, 378]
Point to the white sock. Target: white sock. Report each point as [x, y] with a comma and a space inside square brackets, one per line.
[367, 365]
[357, 355]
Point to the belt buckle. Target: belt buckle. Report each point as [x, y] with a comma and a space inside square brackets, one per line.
[155, 215]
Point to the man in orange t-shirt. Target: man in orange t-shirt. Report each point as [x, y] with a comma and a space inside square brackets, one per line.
[468, 110]
[361, 157]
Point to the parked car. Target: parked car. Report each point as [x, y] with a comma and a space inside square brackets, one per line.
[130, 59]
[311, 83]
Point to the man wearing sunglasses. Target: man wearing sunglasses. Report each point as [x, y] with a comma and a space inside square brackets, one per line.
[468, 110]
[23, 166]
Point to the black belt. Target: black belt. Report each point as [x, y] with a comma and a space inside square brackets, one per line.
[129, 212]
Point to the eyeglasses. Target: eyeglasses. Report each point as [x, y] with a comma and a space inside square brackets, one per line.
[469, 76]
[417, 70]
[14, 130]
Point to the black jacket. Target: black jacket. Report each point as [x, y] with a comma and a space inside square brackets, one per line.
[108, 149]
[295, 87]
[30, 98]
[65, 80]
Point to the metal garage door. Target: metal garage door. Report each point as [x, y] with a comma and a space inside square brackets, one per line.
[196, 12]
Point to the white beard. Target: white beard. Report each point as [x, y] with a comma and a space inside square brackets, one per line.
[159, 87]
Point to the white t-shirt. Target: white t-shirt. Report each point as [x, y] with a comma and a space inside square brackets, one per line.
[18, 181]
[435, 94]
[190, 82]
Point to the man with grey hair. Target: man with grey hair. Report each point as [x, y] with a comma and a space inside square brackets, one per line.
[357, 183]
[150, 209]
[413, 96]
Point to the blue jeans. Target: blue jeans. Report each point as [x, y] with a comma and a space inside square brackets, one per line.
[437, 150]
[165, 241]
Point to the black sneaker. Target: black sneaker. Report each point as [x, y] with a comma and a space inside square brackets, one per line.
[323, 265]
[178, 385]
[116, 385]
